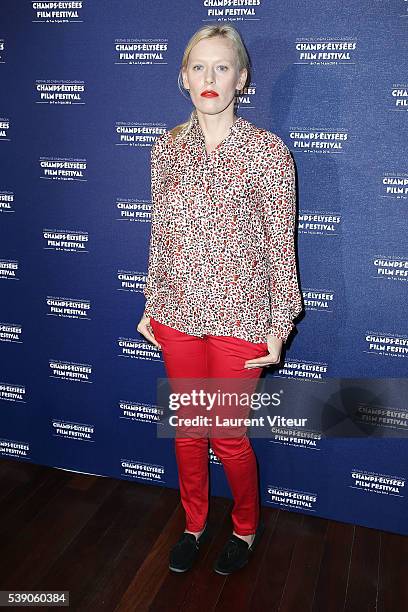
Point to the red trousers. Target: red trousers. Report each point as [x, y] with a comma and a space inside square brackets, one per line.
[187, 356]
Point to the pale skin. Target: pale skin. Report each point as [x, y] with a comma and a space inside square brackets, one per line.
[213, 64]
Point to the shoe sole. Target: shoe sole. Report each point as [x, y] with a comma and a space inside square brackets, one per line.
[234, 570]
[178, 570]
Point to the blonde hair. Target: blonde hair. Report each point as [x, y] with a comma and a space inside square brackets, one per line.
[210, 31]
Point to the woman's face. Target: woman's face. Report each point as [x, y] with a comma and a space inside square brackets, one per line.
[212, 65]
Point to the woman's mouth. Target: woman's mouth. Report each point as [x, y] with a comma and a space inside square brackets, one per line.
[209, 93]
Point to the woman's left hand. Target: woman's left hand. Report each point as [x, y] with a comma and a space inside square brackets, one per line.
[274, 354]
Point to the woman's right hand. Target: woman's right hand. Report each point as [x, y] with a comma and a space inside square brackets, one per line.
[146, 330]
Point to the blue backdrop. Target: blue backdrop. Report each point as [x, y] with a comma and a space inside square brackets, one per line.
[86, 87]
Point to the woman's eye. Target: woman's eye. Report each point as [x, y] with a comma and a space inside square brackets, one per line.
[224, 68]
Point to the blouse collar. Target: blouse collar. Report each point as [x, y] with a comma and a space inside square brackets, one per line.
[197, 136]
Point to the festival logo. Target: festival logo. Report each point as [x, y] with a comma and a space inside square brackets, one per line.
[71, 371]
[59, 92]
[373, 482]
[138, 349]
[399, 97]
[70, 241]
[14, 448]
[63, 169]
[300, 368]
[391, 268]
[129, 280]
[7, 202]
[232, 10]
[140, 412]
[140, 470]
[300, 438]
[394, 185]
[386, 345]
[131, 209]
[245, 97]
[291, 498]
[73, 431]
[9, 269]
[318, 300]
[67, 11]
[383, 417]
[70, 308]
[325, 51]
[319, 222]
[318, 140]
[4, 128]
[141, 51]
[11, 392]
[11, 332]
[133, 134]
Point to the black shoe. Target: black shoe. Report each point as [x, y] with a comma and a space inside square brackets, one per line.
[236, 553]
[184, 552]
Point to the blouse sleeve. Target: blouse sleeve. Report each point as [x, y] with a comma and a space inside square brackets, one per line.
[155, 269]
[278, 199]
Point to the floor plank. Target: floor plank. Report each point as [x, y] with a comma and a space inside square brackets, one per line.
[107, 542]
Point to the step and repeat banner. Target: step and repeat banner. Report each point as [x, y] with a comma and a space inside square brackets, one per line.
[86, 87]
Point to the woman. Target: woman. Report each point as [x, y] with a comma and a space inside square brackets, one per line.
[221, 288]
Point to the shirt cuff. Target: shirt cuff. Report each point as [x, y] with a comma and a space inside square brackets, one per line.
[282, 325]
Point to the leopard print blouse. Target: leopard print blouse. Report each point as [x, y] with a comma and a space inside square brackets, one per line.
[222, 254]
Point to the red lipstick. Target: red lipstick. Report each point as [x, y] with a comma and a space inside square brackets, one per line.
[209, 93]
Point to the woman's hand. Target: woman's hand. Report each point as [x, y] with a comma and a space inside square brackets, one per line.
[146, 330]
[275, 349]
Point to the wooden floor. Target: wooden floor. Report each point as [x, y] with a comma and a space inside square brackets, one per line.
[106, 541]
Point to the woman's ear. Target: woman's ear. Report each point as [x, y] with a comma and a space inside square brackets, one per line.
[185, 78]
[243, 75]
